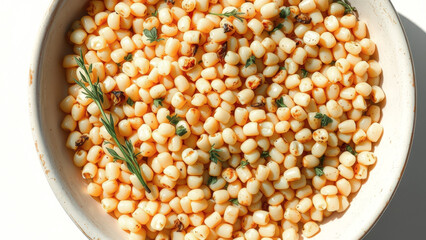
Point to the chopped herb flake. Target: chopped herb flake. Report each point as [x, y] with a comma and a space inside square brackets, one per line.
[351, 150]
[173, 119]
[212, 180]
[130, 102]
[214, 154]
[129, 57]
[325, 120]
[304, 73]
[155, 13]
[285, 12]
[158, 102]
[243, 164]
[234, 201]
[152, 35]
[264, 154]
[319, 170]
[251, 60]
[278, 27]
[181, 130]
[280, 102]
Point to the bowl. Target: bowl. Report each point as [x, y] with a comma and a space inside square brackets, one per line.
[48, 87]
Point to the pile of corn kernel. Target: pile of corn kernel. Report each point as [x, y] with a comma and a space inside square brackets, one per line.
[278, 100]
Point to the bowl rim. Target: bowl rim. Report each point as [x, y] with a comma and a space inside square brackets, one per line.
[66, 200]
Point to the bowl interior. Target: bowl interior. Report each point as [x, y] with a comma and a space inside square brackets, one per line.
[49, 88]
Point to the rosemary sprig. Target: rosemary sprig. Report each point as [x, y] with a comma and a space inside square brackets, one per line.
[233, 13]
[214, 154]
[94, 92]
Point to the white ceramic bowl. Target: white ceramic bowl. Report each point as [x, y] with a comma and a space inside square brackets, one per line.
[48, 87]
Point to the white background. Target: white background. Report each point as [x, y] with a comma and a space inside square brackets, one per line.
[29, 210]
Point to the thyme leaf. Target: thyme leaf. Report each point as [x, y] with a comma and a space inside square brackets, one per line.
[152, 35]
[251, 60]
[280, 102]
[325, 120]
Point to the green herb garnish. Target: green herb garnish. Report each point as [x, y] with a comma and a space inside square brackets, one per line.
[304, 73]
[212, 180]
[233, 13]
[351, 150]
[264, 154]
[130, 102]
[158, 102]
[174, 119]
[181, 130]
[285, 12]
[278, 27]
[155, 13]
[243, 164]
[251, 60]
[234, 201]
[283, 68]
[214, 154]
[280, 102]
[152, 35]
[129, 57]
[94, 92]
[325, 120]
[348, 7]
[319, 170]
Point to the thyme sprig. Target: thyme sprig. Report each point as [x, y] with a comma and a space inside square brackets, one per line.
[94, 92]
[233, 13]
